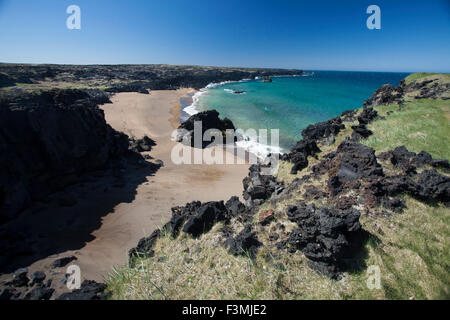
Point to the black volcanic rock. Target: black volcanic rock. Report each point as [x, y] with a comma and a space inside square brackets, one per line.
[39, 293]
[208, 214]
[322, 130]
[258, 187]
[6, 81]
[89, 290]
[144, 247]
[144, 144]
[245, 243]
[20, 278]
[367, 115]
[209, 120]
[360, 132]
[325, 236]
[387, 94]
[47, 140]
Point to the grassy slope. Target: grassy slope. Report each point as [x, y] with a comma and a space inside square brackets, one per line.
[411, 249]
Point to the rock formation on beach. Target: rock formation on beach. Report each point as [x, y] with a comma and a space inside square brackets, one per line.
[208, 121]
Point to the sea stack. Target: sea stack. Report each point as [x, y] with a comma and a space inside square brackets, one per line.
[267, 79]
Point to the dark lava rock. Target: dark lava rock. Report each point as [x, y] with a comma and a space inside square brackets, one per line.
[180, 216]
[37, 277]
[430, 186]
[349, 166]
[20, 278]
[6, 81]
[367, 115]
[142, 145]
[209, 214]
[49, 139]
[325, 236]
[394, 204]
[209, 121]
[360, 132]
[401, 158]
[348, 115]
[89, 290]
[299, 154]
[387, 94]
[39, 293]
[334, 185]
[422, 158]
[9, 293]
[312, 192]
[144, 247]
[245, 243]
[322, 130]
[62, 262]
[258, 187]
[236, 209]
[440, 163]
[437, 185]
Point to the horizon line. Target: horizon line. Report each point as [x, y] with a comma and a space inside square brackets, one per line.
[218, 66]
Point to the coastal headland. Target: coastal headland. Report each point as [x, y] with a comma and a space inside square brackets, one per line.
[90, 174]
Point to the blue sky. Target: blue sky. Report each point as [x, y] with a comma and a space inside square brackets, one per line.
[314, 35]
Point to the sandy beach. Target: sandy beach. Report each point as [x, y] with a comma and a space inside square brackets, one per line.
[104, 236]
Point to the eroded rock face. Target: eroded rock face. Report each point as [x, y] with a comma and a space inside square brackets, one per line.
[47, 140]
[325, 236]
[209, 120]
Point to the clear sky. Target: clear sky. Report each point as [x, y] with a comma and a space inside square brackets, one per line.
[314, 35]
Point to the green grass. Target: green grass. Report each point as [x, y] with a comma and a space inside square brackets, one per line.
[421, 75]
[418, 125]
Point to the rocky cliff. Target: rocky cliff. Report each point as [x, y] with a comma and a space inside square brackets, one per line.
[47, 140]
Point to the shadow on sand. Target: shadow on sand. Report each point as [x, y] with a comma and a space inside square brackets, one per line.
[66, 220]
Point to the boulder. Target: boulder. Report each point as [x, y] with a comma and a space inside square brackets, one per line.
[39, 293]
[9, 293]
[208, 214]
[209, 121]
[144, 248]
[89, 290]
[325, 236]
[245, 243]
[37, 277]
[20, 278]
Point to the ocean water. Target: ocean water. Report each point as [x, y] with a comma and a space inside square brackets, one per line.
[290, 104]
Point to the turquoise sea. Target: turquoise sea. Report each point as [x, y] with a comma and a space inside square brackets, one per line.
[290, 104]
